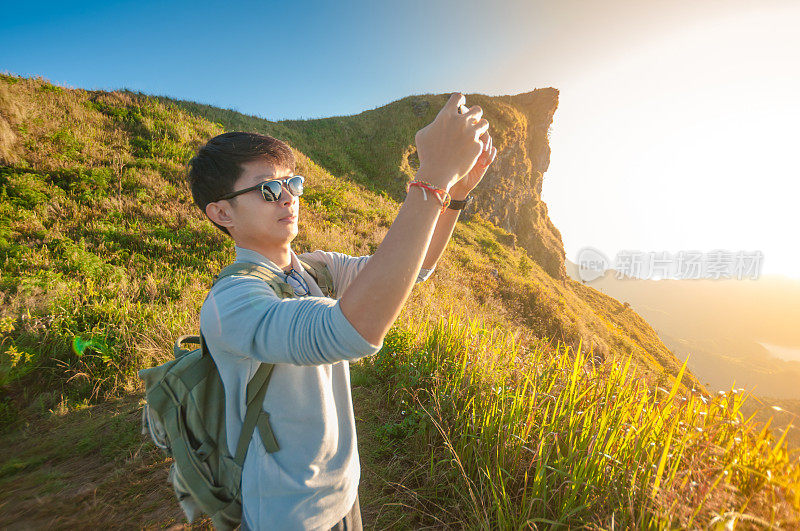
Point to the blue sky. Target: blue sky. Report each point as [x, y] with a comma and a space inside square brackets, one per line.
[677, 121]
[274, 59]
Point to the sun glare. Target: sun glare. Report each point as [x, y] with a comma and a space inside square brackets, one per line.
[687, 142]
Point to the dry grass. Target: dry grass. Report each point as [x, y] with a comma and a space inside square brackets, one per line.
[86, 469]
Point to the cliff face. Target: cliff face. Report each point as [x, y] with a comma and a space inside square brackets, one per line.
[510, 195]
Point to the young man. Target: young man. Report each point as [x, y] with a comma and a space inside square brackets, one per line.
[311, 482]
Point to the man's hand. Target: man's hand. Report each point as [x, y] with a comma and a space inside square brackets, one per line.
[463, 187]
[449, 146]
[448, 149]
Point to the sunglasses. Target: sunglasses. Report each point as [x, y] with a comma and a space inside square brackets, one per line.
[272, 190]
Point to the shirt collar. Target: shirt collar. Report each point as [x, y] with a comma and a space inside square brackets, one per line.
[254, 257]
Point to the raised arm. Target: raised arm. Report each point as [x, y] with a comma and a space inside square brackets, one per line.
[448, 148]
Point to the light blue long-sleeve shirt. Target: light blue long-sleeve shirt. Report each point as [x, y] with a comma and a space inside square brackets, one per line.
[312, 481]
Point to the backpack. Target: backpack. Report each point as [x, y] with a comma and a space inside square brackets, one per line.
[185, 414]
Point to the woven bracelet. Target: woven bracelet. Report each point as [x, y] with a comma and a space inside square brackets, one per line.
[441, 194]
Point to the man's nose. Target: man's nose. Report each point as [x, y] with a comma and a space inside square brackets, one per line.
[286, 196]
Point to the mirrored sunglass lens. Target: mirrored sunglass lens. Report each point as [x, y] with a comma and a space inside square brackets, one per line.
[271, 190]
[296, 185]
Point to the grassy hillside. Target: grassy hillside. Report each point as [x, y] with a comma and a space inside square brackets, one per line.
[106, 261]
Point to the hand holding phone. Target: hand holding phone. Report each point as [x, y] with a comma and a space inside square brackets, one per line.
[449, 146]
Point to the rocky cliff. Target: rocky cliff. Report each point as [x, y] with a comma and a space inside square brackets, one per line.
[511, 194]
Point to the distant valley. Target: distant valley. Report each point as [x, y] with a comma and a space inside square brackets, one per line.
[745, 332]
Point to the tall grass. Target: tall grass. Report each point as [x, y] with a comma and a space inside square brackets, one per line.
[532, 436]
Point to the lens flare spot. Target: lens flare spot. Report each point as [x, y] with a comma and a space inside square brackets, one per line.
[80, 346]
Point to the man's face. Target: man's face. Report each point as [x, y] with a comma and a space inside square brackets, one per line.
[260, 222]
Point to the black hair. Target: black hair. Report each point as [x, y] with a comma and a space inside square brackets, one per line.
[218, 164]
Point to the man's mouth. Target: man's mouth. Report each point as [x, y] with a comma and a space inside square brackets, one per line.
[289, 219]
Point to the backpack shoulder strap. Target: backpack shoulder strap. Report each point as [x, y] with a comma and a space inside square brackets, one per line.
[322, 275]
[256, 417]
[281, 288]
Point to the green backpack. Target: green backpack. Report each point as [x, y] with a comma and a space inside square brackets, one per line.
[185, 414]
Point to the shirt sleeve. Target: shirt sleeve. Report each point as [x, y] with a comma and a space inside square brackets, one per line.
[244, 316]
[344, 268]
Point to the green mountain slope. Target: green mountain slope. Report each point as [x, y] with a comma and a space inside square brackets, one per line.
[106, 261]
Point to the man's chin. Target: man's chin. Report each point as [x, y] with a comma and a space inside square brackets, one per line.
[278, 235]
[289, 234]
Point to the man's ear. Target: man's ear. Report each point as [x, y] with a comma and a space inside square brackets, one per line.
[220, 213]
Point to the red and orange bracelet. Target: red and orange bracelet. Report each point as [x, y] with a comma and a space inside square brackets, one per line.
[440, 193]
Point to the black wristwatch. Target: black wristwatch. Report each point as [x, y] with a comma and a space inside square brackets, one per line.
[457, 204]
